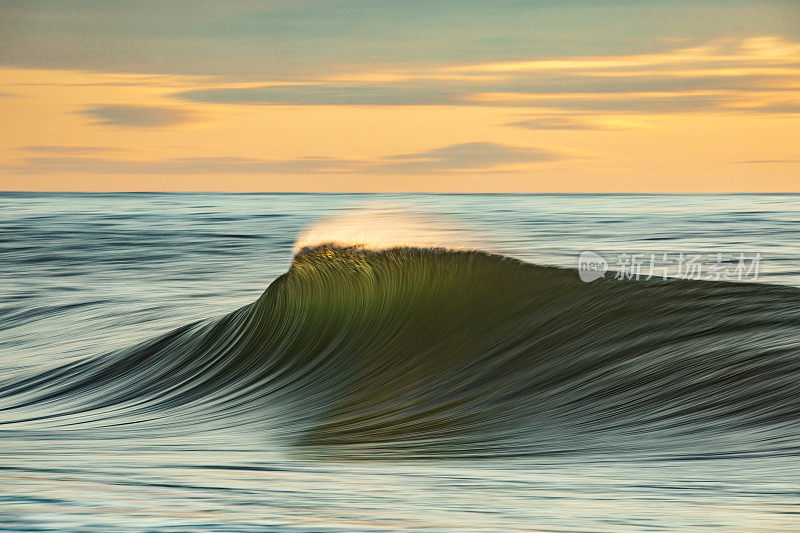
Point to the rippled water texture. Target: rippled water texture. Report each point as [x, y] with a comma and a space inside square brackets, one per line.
[233, 363]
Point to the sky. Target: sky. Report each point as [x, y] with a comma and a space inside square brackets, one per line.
[385, 96]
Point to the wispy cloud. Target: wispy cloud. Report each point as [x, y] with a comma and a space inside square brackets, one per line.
[177, 166]
[467, 156]
[566, 123]
[759, 52]
[769, 161]
[138, 116]
[324, 94]
[66, 149]
[757, 75]
[454, 158]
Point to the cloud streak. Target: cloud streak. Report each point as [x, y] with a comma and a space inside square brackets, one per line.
[769, 162]
[66, 149]
[455, 158]
[324, 94]
[561, 123]
[138, 116]
[757, 75]
[466, 156]
[177, 166]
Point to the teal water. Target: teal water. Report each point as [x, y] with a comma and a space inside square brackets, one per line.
[472, 397]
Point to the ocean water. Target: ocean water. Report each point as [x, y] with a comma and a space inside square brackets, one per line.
[178, 362]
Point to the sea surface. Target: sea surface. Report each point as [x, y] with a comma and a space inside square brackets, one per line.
[394, 362]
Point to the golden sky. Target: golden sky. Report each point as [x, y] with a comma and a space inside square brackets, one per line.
[249, 98]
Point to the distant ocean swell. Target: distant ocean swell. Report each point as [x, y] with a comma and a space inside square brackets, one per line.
[430, 353]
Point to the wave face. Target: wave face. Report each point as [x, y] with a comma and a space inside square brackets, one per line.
[427, 352]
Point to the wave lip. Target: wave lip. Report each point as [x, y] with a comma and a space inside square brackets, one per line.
[433, 352]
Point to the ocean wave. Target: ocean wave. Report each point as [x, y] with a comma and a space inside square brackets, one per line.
[431, 352]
